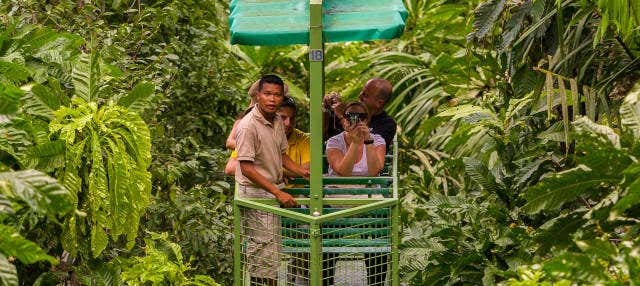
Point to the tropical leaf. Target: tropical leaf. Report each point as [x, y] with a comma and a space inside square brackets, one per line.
[86, 76]
[40, 192]
[41, 101]
[8, 273]
[48, 156]
[136, 99]
[485, 17]
[557, 232]
[553, 191]
[13, 244]
[630, 111]
[480, 174]
[628, 200]
[115, 147]
[5, 205]
[13, 73]
[9, 99]
[514, 24]
[586, 126]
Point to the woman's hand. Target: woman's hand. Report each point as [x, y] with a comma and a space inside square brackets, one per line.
[357, 134]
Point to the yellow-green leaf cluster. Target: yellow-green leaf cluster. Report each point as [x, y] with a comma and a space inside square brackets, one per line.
[108, 154]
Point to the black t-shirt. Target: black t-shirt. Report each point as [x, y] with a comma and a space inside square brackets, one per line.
[381, 124]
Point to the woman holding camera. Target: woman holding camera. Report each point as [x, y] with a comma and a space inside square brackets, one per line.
[355, 151]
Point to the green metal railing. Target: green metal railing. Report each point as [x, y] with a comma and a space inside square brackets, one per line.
[348, 240]
[353, 241]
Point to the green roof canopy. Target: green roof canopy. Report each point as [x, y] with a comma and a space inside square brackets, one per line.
[286, 22]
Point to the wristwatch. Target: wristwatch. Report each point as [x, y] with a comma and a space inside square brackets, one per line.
[367, 142]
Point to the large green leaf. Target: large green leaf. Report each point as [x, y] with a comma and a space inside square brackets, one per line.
[553, 191]
[86, 76]
[40, 192]
[136, 100]
[41, 101]
[13, 73]
[480, 174]
[485, 17]
[13, 244]
[9, 99]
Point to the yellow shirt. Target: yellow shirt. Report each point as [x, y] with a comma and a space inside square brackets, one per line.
[298, 149]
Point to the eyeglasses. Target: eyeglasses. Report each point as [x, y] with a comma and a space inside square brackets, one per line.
[359, 115]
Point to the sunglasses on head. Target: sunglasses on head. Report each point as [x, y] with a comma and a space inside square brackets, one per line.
[359, 115]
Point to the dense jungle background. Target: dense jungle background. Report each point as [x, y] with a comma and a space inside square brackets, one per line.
[519, 139]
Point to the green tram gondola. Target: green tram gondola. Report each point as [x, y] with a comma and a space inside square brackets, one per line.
[328, 230]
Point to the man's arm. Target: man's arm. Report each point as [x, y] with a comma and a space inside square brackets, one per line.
[293, 167]
[249, 171]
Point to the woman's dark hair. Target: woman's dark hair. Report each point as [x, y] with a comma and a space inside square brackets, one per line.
[288, 102]
[272, 79]
[358, 104]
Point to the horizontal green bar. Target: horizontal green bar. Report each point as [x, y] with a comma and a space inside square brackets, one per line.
[327, 201]
[342, 191]
[350, 250]
[385, 181]
[342, 222]
[349, 231]
[274, 210]
[384, 212]
[384, 203]
[338, 242]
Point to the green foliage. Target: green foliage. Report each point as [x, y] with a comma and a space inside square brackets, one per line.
[108, 150]
[14, 245]
[162, 265]
[36, 190]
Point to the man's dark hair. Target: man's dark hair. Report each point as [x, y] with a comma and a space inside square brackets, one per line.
[288, 102]
[272, 79]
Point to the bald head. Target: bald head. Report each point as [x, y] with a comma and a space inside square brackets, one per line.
[380, 88]
[375, 93]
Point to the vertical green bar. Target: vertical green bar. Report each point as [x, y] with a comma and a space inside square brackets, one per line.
[395, 241]
[316, 84]
[237, 248]
[315, 259]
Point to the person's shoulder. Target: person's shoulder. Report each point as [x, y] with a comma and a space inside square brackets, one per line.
[335, 141]
[300, 135]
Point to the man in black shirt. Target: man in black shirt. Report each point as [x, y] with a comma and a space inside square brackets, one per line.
[375, 94]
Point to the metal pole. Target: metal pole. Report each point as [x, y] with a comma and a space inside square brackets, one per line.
[237, 248]
[395, 220]
[316, 87]
[395, 247]
[315, 271]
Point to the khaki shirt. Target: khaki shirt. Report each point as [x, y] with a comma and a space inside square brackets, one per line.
[262, 143]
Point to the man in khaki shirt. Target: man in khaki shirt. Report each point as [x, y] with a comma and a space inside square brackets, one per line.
[261, 144]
